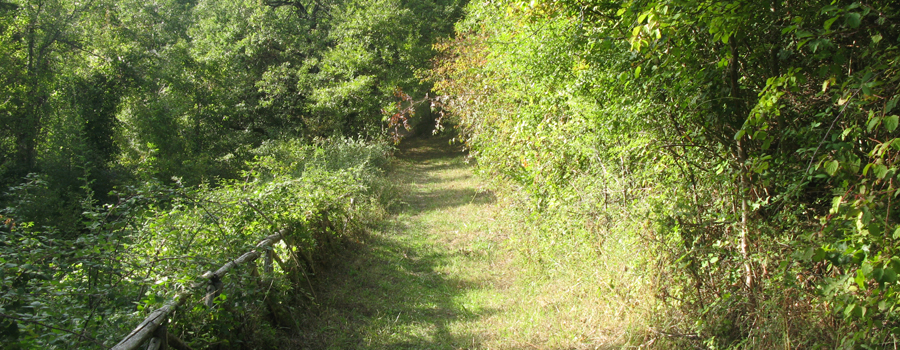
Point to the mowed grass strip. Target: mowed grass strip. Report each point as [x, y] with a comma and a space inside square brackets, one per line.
[444, 274]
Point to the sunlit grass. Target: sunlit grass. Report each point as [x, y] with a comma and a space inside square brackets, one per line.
[452, 271]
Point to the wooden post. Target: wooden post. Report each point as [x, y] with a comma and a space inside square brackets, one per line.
[155, 344]
[213, 290]
[160, 340]
[146, 328]
[149, 325]
[268, 269]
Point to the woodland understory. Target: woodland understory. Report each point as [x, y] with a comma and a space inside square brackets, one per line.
[723, 168]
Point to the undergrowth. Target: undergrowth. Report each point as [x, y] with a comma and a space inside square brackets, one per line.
[133, 256]
[725, 172]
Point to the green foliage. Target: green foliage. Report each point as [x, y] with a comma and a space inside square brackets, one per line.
[756, 146]
[131, 257]
[187, 88]
[143, 138]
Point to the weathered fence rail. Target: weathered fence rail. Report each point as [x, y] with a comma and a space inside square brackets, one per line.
[153, 327]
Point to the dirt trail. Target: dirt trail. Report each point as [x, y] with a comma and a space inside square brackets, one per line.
[429, 278]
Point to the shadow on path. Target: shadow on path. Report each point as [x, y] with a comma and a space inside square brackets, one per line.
[390, 290]
[422, 163]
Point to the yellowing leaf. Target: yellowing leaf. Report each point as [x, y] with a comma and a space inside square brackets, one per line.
[831, 167]
[836, 204]
[880, 171]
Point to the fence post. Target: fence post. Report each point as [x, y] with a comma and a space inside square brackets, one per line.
[213, 290]
[160, 340]
[268, 269]
[150, 325]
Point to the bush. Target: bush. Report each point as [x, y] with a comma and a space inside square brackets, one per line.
[753, 153]
[157, 239]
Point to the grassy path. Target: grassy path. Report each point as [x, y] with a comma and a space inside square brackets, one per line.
[428, 278]
[440, 276]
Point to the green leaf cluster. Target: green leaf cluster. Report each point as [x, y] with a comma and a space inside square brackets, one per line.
[726, 137]
[156, 240]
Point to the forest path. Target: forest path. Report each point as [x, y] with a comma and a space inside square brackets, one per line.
[432, 277]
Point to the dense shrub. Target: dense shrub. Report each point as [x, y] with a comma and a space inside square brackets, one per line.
[747, 148]
[156, 240]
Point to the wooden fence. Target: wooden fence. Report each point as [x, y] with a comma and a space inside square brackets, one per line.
[154, 326]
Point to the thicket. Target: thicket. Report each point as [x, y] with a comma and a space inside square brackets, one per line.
[731, 164]
[156, 240]
[145, 142]
[119, 90]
